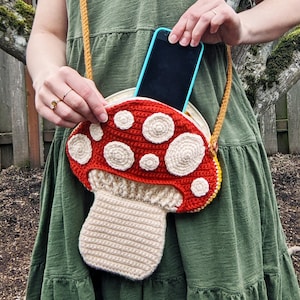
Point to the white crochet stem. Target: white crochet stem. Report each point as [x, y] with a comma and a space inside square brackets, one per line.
[123, 236]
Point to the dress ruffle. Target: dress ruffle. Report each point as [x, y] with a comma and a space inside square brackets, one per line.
[167, 288]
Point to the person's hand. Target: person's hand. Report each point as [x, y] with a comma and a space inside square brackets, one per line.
[211, 21]
[65, 98]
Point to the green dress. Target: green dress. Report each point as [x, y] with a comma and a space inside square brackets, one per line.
[233, 249]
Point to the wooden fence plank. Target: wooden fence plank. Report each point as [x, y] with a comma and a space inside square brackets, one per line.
[18, 111]
[293, 105]
[5, 112]
[282, 125]
[268, 130]
[5, 138]
[36, 153]
[34, 128]
[5, 104]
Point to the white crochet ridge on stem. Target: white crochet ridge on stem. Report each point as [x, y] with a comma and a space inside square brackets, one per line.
[165, 196]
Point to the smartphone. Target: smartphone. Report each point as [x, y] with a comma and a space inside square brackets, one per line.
[169, 71]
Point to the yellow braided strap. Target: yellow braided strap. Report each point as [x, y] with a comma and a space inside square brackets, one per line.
[223, 108]
[86, 39]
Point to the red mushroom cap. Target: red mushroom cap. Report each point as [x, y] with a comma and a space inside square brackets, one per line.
[149, 142]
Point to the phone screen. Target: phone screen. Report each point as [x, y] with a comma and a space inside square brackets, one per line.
[169, 71]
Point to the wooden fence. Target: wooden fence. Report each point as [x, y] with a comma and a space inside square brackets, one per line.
[280, 125]
[25, 138]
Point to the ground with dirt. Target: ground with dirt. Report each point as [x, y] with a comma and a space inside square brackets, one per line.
[19, 212]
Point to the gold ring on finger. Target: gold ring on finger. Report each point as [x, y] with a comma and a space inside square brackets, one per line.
[54, 103]
[65, 95]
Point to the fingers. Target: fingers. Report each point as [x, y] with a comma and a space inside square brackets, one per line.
[66, 98]
[203, 21]
[190, 28]
[182, 31]
[55, 110]
[207, 26]
[91, 95]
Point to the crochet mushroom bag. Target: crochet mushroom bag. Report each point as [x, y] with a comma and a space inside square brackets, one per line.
[146, 161]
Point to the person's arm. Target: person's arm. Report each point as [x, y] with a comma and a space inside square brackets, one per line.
[214, 22]
[269, 20]
[46, 45]
[52, 79]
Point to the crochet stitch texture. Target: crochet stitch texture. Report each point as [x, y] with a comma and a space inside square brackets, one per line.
[147, 160]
